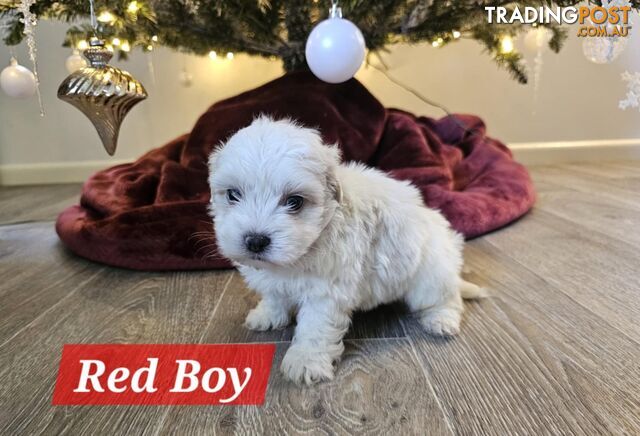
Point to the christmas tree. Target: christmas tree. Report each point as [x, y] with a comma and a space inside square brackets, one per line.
[279, 28]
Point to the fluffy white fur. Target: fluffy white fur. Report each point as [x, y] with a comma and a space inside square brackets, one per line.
[361, 239]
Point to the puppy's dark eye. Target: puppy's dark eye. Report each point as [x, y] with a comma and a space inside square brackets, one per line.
[233, 195]
[294, 203]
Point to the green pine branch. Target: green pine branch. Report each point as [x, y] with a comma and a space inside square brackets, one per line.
[280, 27]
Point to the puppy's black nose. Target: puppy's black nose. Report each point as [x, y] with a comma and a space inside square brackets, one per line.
[256, 243]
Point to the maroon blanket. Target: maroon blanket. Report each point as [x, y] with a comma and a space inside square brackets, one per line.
[150, 214]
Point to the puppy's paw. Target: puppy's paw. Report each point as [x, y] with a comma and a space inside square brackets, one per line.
[261, 319]
[441, 322]
[306, 365]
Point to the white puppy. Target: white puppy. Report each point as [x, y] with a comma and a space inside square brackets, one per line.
[322, 240]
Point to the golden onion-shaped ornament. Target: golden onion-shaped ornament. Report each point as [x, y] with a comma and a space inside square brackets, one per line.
[103, 93]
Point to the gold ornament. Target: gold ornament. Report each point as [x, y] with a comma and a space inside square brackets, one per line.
[103, 93]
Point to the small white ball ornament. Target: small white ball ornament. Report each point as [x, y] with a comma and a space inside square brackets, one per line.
[75, 62]
[335, 48]
[17, 81]
[603, 50]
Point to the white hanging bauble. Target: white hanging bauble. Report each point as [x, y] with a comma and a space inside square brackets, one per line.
[335, 48]
[75, 62]
[17, 81]
[603, 50]
[537, 37]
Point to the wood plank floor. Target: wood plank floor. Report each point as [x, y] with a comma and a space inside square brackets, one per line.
[555, 350]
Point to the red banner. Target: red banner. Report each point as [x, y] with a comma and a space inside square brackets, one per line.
[163, 374]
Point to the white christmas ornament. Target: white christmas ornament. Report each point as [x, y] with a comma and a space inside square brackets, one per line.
[335, 48]
[603, 50]
[17, 81]
[75, 62]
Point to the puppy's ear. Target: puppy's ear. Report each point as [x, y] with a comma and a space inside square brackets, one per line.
[213, 158]
[336, 189]
[333, 160]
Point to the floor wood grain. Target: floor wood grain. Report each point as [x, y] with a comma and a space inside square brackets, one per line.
[379, 389]
[36, 203]
[554, 350]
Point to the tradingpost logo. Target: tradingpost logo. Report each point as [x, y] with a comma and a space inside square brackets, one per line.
[609, 20]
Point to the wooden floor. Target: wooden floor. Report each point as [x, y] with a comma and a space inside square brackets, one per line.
[556, 350]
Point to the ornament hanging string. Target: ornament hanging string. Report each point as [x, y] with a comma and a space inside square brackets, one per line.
[92, 13]
[336, 10]
[94, 19]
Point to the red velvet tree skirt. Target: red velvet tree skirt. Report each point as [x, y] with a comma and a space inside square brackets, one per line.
[150, 214]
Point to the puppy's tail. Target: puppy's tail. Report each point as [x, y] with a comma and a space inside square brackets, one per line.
[469, 291]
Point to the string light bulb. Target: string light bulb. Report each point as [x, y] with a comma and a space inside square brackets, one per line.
[106, 17]
[125, 46]
[438, 42]
[213, 55]
[149, 47]
[82, 45]
[115, 41]
[229, 55]
[133, 7]
[456, 34]
[154, 38]
[506, 44]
